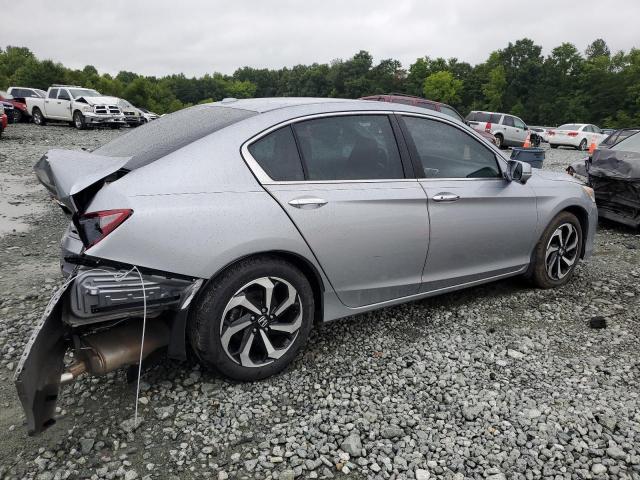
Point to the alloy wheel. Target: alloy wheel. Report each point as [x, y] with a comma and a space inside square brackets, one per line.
[261, 322]
[562, 251]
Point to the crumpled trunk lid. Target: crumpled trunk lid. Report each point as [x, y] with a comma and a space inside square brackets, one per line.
[74, 176]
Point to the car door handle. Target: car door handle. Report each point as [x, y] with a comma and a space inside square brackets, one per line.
[307, 203]
[446, 197]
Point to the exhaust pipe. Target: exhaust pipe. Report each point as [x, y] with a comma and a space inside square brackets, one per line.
[106, 351]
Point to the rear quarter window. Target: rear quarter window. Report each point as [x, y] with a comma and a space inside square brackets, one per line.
[277, 154]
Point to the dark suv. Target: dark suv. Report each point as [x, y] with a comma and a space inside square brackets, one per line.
[424, 103]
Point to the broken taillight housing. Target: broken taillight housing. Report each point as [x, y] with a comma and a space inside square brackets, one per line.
[94, 226]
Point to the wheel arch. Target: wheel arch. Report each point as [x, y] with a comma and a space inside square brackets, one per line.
[583, 217]
[179, 343]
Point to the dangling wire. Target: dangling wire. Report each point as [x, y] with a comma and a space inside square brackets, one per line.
[144, 326]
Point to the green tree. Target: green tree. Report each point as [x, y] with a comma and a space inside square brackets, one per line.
[443, 87]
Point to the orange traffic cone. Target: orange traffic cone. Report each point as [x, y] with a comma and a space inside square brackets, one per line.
[592, 147]
[527, 142]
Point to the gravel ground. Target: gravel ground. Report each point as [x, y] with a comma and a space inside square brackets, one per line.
[500, 381]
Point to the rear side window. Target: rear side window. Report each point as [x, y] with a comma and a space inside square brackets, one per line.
[427, 105]
[53, 93]
[451, 112]
[508, 121]
[495, 118]
[447, 152]
[277, 154]
[483, 117]
[354, 147]
[170, 133]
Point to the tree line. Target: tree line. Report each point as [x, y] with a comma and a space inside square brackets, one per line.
[596, 86]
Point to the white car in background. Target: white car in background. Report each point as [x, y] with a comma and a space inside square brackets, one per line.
[576, 135]
[543, 132]
[148, 115]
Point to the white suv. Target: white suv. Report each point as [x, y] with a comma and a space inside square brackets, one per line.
[509, 130]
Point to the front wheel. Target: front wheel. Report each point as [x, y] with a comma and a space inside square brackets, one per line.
[251, 322]
[78, 120]
[557, 253]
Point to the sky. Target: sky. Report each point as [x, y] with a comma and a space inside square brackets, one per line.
[158, 37]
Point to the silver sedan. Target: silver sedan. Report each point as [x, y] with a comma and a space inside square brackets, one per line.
[227, 230]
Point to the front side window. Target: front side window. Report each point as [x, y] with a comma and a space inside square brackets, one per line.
[53, 93]
[63, 95]
[518, 123]
[354, 147]
[447, 152]
[277, 154]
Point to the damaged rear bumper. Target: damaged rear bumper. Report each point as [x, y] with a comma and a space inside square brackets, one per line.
[98, 315]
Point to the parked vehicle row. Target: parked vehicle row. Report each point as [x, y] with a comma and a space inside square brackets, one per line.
[81, 107]
[346, 207]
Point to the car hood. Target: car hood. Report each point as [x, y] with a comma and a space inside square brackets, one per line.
[100, 100]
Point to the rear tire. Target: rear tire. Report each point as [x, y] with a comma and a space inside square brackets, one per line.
[500, 141]
[583, 145]
[38, 117]
[78, 120]
[236, 330]
[558, 252]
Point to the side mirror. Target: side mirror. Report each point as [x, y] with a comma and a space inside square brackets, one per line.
[519, 171]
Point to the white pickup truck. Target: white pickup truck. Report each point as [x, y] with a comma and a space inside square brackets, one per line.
[82, 107]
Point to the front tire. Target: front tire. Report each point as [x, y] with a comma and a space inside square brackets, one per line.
[251, 321]
[78, 120]
[38, 117]
[557, 253]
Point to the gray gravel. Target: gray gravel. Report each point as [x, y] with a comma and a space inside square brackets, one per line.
[500, 381]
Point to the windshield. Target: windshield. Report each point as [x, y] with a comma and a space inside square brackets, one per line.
[83, 92]
[629, 144]
[124, 103]
[170, 133]
[570, 126]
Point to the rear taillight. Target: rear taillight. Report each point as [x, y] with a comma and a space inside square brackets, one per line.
[550, 132]
[487, 127]
[94, 226]
[573, 134]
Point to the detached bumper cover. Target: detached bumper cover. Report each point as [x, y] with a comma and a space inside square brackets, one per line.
[37, 377]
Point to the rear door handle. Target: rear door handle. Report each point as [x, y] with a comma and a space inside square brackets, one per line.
[307, 203]
[445, 197]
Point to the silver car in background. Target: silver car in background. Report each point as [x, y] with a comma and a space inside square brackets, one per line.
[229, 229]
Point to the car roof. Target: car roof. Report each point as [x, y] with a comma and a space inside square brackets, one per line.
[317, 105]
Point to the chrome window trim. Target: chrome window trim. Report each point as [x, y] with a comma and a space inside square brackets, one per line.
[265, 179]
